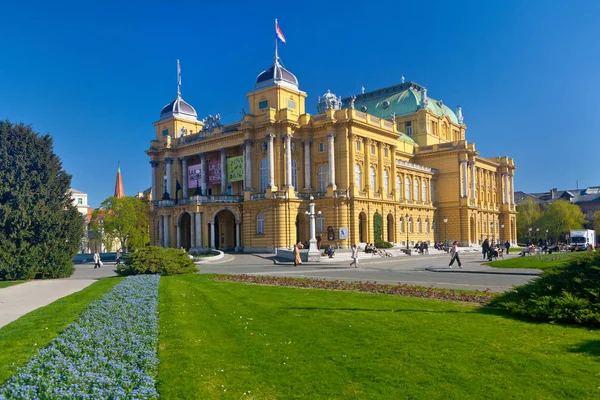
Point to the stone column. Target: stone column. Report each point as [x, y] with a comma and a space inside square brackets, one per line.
[154, 165]
[380, 169]
[288, 160]
[198, 230]
[211, 245]
[331, 159]
[204, 168]
[193, 229]
[166, 231]
[473, 191]
[238, 247]
[168, 163]
[161, 227]
[184, 177]
[271, 154]
[178, 227]
[223, 171]
[307, 185]
[464, 176]
[393, 170]
[352, 164]
[511, 190]
[248, 165]
[505, 187]
[367, 169]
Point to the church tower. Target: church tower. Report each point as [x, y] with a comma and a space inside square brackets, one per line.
[119, 192]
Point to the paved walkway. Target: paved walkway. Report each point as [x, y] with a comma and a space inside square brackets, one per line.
[18, 300]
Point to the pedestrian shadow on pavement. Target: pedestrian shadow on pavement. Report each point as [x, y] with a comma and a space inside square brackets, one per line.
[376, 310]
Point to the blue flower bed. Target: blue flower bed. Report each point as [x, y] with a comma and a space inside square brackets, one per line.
[110, 352]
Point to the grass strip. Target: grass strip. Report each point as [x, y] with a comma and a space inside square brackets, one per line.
[229, 340]
[4, 284]
[542, 261]
[22, 339]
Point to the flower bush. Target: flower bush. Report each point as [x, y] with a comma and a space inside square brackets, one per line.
[369, 287]
[110, 352]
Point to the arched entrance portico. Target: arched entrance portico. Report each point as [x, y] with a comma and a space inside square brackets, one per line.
[225, 230]
[390, 229]
[184, 238]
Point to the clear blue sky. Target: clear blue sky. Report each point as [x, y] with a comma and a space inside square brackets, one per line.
[95, 76]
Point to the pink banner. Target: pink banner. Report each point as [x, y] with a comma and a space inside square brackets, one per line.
[194, 176]
[214, 172]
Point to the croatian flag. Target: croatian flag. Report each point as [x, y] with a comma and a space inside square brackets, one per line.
[279, 33]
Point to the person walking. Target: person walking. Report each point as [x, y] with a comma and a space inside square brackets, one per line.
[507, 245]
[454, 255]
[354, 256]
[118, 258]
[297, 259]
[485, 248]
[97, 260]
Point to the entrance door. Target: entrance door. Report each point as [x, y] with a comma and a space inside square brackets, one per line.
[185, 231]
[225, 231]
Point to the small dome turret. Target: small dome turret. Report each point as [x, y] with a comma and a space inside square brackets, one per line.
[178, 108]
[276, 75]
[328, 101]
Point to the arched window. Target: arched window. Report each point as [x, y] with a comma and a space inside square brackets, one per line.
[419, 225]
[433, 226]
[401, 225]
[424, 190]
[260, 224]
[294, 173]
[398, 188]
[386, 181]
[432, 197]
[320, 223]
[358, 177]
[416, 189]
[407, 188]
[323, 176]
[410, 225]
[427, 226]
[263, 175]
[373, 180]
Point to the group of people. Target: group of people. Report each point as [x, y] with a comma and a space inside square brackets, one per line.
[422, 247]
[493, 250]
[98, 260]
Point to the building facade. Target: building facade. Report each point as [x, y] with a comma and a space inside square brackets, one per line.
[392, 155]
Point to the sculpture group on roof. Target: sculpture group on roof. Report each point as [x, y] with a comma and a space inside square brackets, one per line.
[211, 123]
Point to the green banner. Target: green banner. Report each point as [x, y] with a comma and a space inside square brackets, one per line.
[235, 169]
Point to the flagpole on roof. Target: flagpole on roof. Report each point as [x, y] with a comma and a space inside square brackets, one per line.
[276, 55]
[178, 79]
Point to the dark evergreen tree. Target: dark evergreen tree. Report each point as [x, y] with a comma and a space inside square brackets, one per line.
[40, 228]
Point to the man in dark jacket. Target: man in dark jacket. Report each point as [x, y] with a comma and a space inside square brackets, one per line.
[485, 248]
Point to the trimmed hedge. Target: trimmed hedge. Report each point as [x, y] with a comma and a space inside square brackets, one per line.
[569, 293]
[157, 260]
[382, 244]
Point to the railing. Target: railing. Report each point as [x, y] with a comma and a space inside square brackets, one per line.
[224, 198]
[390, 197]
[374, 120]
[166, 203]
[316, 195]
[417, 167]
[319, 117]
[388, 124]
[341, 194]
[361, 115]
[257, 196]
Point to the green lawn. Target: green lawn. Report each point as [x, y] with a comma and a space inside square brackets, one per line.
[542, 261]
[21, 339]
[235, 340]
[4, 284]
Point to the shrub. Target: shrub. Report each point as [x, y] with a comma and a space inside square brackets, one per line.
[568, 293]
[157, 260]
[382, 244]
[378, 227]
[108, 353]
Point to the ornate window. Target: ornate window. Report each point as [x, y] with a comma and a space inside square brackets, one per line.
[401, 225]
[385, 152]
[358, 176]
[407, 188]
[263, 175]
[424, 190]
[260, 224]
[419, 225]
[398, 188]
[294, 173]
[322, 147]
[408, 125]
[386, 181]
[358, 145]
[323, 177]
[410, 225]
[373, 180]
[427, 226]
[320, 223]
[431, 194]
[416, 189]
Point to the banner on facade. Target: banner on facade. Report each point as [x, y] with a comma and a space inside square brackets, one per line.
[235, 169]
[194, 176]
[214, 172]
[343, 233]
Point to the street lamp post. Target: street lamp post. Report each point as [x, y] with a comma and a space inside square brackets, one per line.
[493, 232]
[537, 233]
[530, 229]
[502, 233]
[198, 191]
[407, 227]
[445, 231]
[546, 235]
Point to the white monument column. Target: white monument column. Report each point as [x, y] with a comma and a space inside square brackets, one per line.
[212, 235]
[161, 227]
[204, 176]
[184, 177]
[193, 229]
[313, 253]
[154, 165]
[270, 138]
[307, 143]
[166, 231]
[198, 230]
[248, 165]
[473, 177]
[168, 163]
[288, 160]
[331, 154]
[223, 171]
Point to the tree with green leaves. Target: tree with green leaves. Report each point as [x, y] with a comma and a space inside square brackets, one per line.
[559, 218]
[596, 222]
[528, 214]
[40, 228]
[378, 227]
[123, 220]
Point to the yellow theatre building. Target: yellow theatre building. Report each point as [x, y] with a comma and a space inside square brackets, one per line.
[393, 155]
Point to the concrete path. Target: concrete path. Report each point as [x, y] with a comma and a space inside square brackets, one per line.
[18, 300]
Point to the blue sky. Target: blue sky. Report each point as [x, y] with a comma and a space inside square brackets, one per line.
[95, 76]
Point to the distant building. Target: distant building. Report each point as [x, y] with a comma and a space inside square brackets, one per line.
[587, 199]
[80, 200]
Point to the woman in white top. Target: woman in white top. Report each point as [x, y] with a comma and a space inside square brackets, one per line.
[454, 255]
